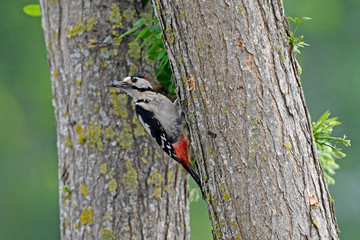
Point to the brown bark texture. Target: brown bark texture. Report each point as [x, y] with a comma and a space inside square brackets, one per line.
[114, 181]
[249, 127]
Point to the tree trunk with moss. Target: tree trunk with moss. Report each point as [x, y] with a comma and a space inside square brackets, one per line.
[114, 181]
[249, 126]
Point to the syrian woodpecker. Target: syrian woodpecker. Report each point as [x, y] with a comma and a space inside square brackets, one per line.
[161, 119]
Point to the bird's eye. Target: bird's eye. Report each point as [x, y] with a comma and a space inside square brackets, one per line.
[134, 80]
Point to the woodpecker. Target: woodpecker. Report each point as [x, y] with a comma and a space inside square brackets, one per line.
[161, 119]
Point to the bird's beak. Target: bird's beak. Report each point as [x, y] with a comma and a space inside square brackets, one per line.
[121, 84]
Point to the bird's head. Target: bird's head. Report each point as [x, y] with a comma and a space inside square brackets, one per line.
[133, 82]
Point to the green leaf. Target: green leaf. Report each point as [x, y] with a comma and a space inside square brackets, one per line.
[326, 145]
[155, 29]
[305, 18]
[143, 33]
[32, 10]
[296, 20]
[140, 22]
[161, 54]
[290, 18]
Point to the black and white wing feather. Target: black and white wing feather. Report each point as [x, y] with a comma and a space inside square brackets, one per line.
[156, 130]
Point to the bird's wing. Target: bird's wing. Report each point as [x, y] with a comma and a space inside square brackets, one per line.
[156, 130]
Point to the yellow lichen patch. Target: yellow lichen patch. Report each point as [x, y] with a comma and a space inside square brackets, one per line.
[129, 14]
[227, 196]
[155, 179]
[66, 222]
[90, 22]
[237, 237]
[104, 49]
[83, 189]
[55, 73]
[234, 225]
[96, 107]
[77, 95]
[130, 177]
[222, 187]
[78, 128]
[117, 41]
[76, 225]
[110, 174]
[170, 175]
[112, 184]
[134, 50]
[94, 137]
[107, 217]
[87, 216]
[105, 63]
[170, 34]
[144, 160]
[287, 145]
[113, 52]
[78, 28]
[119, 103]
[109, 132]
[78, 82]
[216, 231]
[126, 137]
[221, 222]
[157, 155]
[68, 141]
[90, 62]
[107, 234]
[315, 222]
[82, 140]
[54, 1]
[239, 10]
[139, 129]
[254, 120]
[115, 15]
[103, 168]
[133, 69]
[156, 193]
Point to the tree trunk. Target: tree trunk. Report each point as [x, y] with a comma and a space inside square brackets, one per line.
[114, 181]
[249, 126]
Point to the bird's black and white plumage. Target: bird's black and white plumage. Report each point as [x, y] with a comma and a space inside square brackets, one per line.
[161, 119]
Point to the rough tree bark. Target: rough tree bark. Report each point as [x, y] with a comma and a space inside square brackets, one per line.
[249, 126]
[114, 181]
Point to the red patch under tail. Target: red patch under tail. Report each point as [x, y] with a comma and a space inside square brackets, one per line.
[181, 149]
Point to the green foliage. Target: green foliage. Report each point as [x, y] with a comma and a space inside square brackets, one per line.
[32, 10]
[296, 42]
[327, 144]
[150, 32]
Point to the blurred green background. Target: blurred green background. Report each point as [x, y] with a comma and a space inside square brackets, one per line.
[28, 158]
